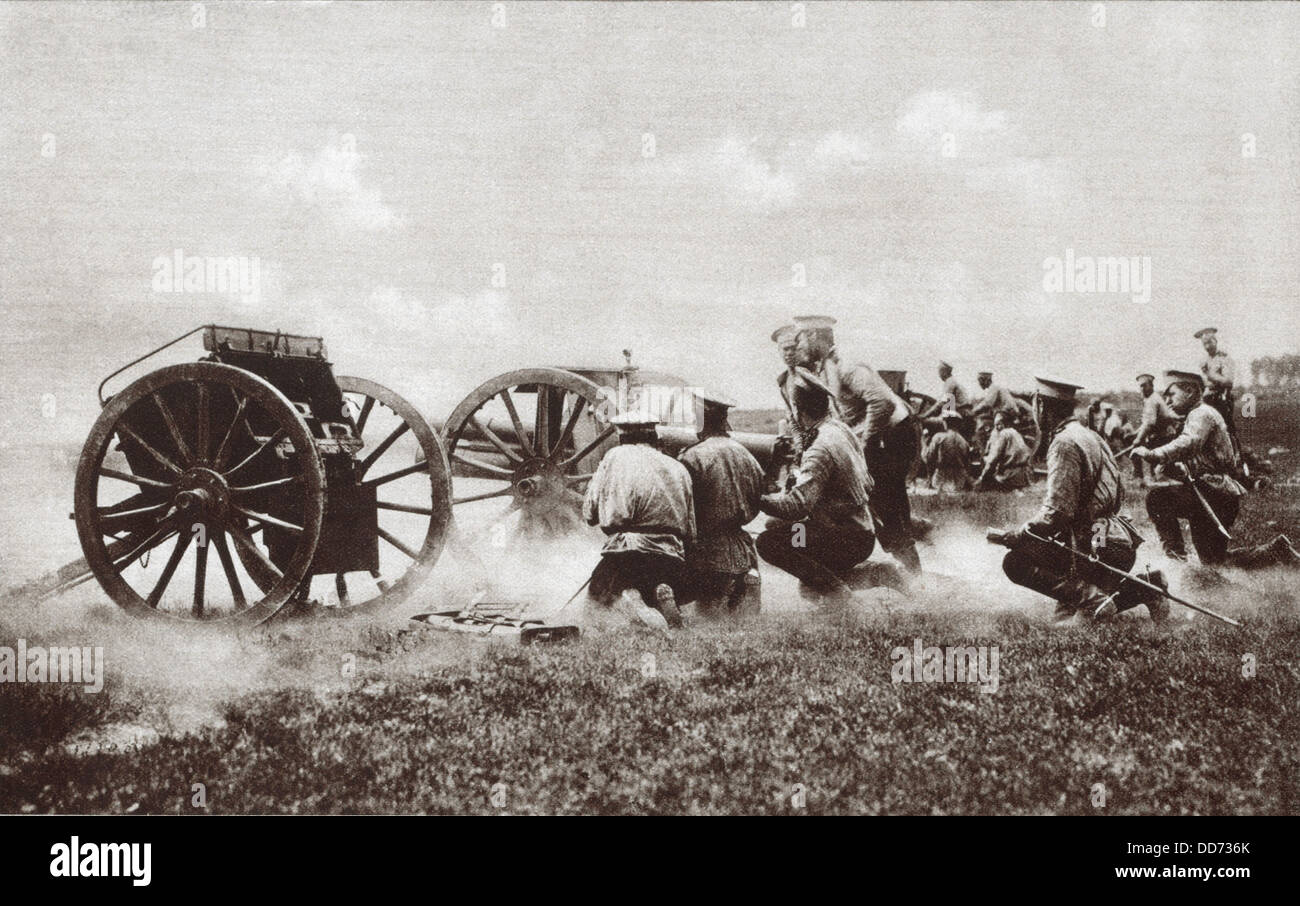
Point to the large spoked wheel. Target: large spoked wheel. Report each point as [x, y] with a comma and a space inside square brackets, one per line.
[206, 456]
[413, 501]
[525, 445]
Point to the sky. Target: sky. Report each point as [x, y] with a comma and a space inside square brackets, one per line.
[449, 191]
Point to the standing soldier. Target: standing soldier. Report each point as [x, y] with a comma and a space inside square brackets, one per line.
[786, 338]
[1219, 373]
[885, 427]
[820, 528]
[642, 500]
[1207, 495]
[947, 456]
[1006, 461]
[1158, 425]
[727, 482]
[953, 396]
[995, 399]
[1081, 509]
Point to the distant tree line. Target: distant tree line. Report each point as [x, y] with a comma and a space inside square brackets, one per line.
[1275, 371]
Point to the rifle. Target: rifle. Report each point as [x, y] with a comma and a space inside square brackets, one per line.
[996, 536]
[1205, 504]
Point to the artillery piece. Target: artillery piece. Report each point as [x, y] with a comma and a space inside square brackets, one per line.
[290, 473]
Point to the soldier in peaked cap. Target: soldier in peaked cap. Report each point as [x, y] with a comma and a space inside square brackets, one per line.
[1159, 423]
[727, 482]
[947, 456]
[1081, 508]
[786, 338]
[642, 500]
[1205, 451]
[1220, 374]
[820, 528]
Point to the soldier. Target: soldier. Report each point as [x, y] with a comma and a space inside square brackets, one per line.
[641, 498]
[884, 424]
[947, 456]
[820, 528]
[726, 483]
[1207, 460]
[1158, 425]
[953, 396]
[1006, 461]
[786, 338]
[1113, 426]
[1081, 508]
[995, 399]
[1219, 373]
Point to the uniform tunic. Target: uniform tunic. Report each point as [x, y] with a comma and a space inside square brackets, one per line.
[867, 404]
[1007, 458]
[1084, 493]
[642, 500]
[833, 482]
[947, 456]
[1157, 419]
[996, 398]
[727, 482]
[1206, 449]
[1219, 370]
[954, 396]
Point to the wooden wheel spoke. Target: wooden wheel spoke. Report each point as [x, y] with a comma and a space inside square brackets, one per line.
[404, 508]
[200, 579]
[519, 425]
[162, 460]
[383, 447]
[280, 434]
[219, 460]
[168, 571]
[387, 536]
[204, 414]
[365, 414]
[487, 496]
[574, 479]
[393, 476]
[267, 485]
[567, 434]
[244, 540]
[481, 465]
[585, 451]
[134, 479]
[157, 537]
[542, 421]
[496, 440]
[228, 566]
[267, 519]
[173, 429]
[110, 515]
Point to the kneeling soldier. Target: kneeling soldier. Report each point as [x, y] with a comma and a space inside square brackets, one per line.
[1205, 460]
[726, 483]
[1081, 509]
[821, 528]
[641, 498]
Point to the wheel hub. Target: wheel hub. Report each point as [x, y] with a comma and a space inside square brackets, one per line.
[201, 494]
[538, 485]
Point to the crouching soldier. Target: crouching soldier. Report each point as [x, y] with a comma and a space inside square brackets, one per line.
[1207, 495]
[641, 498]
[947, 456]
[1006, 461]
[726, 482]
[820, 528]
[1081, 509]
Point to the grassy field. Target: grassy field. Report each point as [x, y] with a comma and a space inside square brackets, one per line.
[791, 711]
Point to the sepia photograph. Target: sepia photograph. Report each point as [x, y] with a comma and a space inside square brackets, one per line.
[650, 408]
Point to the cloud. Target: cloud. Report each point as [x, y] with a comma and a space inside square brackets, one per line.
[328, 186]
[930, 115]
[732, 168]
